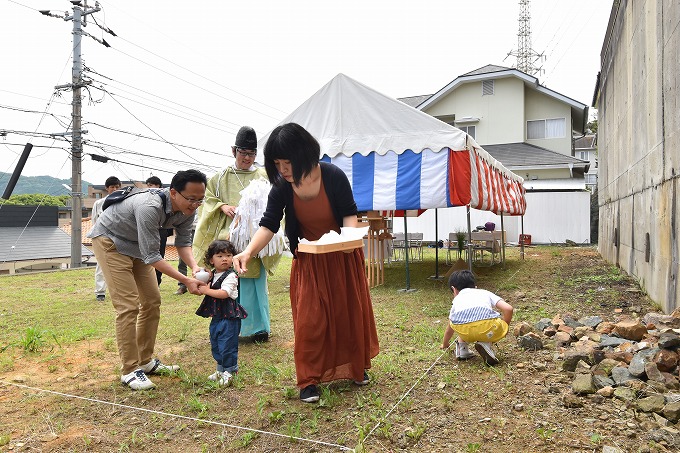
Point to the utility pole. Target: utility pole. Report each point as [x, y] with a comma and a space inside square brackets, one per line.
[79, 18]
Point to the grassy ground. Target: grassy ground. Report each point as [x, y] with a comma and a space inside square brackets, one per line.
[55, 336]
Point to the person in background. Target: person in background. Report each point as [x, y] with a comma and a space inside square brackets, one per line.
[221, 305]
[154, 182]
[126, 242]
[216, 216]
[474, 317]
[333, 322]
[112, 183]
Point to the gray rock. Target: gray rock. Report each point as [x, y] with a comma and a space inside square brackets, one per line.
[660, 420]
[542, 324]
[640, 359]
[654, 403]
[669, 340]
[603, 381]
[583, 385]
[672, 411]
[610, 449]
[590, 321]
[661, 320]
[621, 375]
[625, 394]
[609, 341]
[653, 373]
[666, 436]
[530, 342]
[571, 322]
[572, 357]
[571, 401]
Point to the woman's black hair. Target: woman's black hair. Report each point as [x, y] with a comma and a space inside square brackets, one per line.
[291, 142]
[181, 178]
[462, 279]
[219, 246]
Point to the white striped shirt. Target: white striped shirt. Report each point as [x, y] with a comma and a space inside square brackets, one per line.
[472, 304]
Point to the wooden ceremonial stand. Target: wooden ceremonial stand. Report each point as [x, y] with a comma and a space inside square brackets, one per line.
[375, 249]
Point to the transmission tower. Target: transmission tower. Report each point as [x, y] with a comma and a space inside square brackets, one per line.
[527, 58]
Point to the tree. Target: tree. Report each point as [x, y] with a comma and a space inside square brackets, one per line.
[592, 126]
[37, 199]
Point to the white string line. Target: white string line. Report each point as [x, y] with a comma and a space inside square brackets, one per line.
[419, 379]
[167, 414]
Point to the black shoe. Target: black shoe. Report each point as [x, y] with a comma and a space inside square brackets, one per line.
[101, 298]
[261, 337]
[309, 394]
[181, 289]
[365, 380]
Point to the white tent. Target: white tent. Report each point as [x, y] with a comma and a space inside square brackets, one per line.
[399, 158]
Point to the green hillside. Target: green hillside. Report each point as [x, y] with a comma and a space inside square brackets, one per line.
[38, 184]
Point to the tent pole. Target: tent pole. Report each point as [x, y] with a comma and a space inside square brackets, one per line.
[502, 240]
[436, 275]
[408, 288]
[469, 223]
[521, 243]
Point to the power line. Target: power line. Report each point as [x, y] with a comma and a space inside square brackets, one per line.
[199, 122]
[154, 139]
[156, 96]
[197, 86]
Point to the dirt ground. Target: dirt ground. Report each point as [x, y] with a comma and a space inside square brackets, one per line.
[452, 406]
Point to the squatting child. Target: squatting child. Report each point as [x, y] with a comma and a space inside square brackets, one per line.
[474, 318]
[222, 305]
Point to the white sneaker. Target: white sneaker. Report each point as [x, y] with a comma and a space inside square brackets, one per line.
[462, 350]
[215, 376]
[225, 380]
[137, 380]
[157, 367]
[486, 352]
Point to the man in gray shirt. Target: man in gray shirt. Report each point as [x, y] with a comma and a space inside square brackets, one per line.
[126, 243]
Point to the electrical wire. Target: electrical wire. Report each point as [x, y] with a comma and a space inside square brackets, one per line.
[195, 85]
[156, 96]
[163, 111]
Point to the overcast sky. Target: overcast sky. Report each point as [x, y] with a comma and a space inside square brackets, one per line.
[191, 73]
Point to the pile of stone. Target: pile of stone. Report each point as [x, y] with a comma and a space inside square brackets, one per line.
[635, 360]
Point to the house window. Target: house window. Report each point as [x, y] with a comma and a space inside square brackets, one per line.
[550, 128]
[583, 155]
[591, 179]
[470, 130]
[487, 87]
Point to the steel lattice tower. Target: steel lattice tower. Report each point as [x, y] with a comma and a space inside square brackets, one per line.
[526, 56]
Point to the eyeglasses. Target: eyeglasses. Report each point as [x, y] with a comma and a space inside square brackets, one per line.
[245, 153]
[191, 200]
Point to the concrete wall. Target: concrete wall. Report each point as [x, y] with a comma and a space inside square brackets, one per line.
[639, 145]
[501, 115]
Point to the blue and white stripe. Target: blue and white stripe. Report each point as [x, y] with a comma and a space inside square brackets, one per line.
[396, 181]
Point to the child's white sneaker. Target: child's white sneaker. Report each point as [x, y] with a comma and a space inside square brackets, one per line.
[486, 352]
[225, 380]
[215, 376]
[462, 350]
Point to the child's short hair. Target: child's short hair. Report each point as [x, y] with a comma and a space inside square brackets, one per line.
[219, 246]
[462, 279]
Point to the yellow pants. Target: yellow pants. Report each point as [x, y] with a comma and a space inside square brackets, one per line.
[486, 330]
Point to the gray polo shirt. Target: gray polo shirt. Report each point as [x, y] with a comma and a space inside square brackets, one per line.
[133, 225]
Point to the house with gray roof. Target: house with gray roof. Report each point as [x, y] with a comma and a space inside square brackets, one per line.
[530, 129]
[30, 239]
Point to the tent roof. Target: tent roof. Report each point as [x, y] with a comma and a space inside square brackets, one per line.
[347, 117]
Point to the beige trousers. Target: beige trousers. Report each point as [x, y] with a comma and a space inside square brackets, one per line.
[136, 298]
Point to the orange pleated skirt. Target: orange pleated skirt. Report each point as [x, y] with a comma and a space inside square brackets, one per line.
[335, 333]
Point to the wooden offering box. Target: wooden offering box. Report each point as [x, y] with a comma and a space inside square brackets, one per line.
[327, 248]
